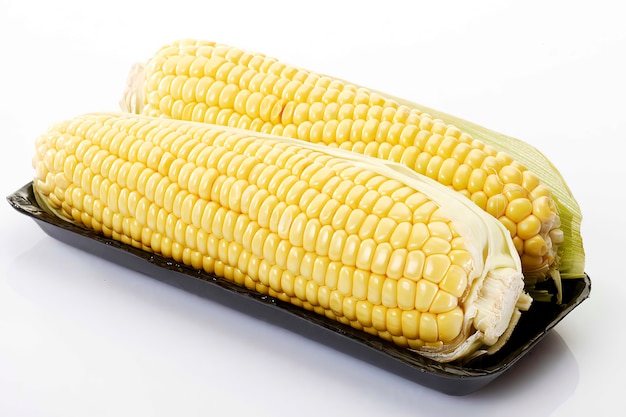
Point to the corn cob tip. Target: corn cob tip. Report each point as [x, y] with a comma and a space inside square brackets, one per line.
[133, 97]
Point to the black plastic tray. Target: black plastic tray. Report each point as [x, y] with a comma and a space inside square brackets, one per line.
[452, 378]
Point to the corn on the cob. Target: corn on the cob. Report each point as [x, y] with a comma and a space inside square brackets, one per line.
[370, 244]
[214, 83]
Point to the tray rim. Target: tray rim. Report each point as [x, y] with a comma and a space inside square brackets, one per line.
[449, 378]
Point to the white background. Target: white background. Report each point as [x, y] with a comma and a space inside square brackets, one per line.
[83, 337]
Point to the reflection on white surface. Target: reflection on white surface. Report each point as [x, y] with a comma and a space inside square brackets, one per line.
[544, 379]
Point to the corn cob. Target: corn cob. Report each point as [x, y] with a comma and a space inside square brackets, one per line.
[370, 244]
[214, 83]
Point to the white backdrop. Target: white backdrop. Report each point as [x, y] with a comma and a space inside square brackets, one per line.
[83, 337]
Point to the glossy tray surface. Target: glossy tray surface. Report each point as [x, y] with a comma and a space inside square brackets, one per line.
[453, 378]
